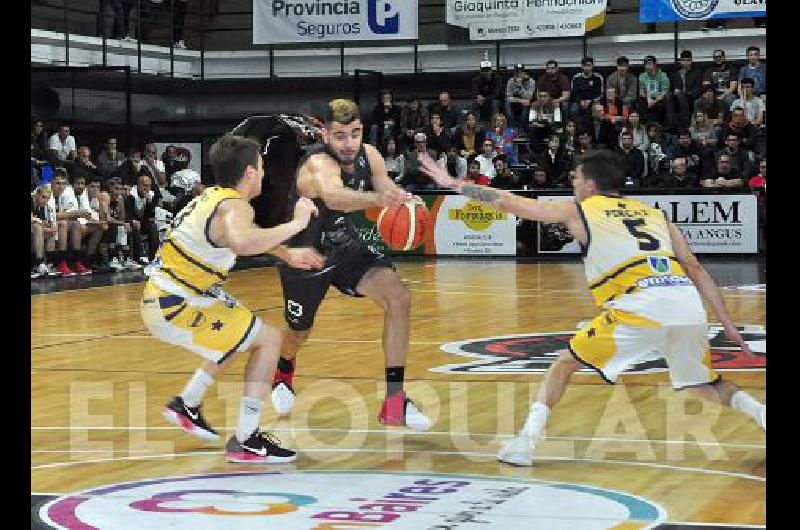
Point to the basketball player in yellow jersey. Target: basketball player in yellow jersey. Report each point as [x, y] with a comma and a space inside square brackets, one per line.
[184, 304]
[643, 276]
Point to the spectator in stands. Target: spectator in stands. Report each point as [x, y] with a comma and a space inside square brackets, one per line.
[469, 137]
[569, 138]
[638, 132]
[632, 160]
[445, 109]
[680, 176]
[486, 159]
[653, 90]
[474, 174]
[140, 212]
[604, 134]
[110, 158]
[740, 159]
[540, 179]
[62, 144]
[455, 164]
[555, 162]
[385, 120]
[686, 88]
[118, 235]
[438, 136]
[503, 137]
[544, 118]
[624, 83]
[615, 110]
[92, 228]
[156, 168]
[505, 179]
[197, 189]
[83, 166]
[702, 130]
[659, 145]
[697, 159]
[132, 168]
[753, 106]
[121, 24]
[39, 143]
[722, 77]
[393, 159]
[755, 70]
[520, 89]
[585, 142]
[170, 160]
[586, 89]
[724, 175]
[413, 119]
[98, 203]
[413, 178]
[709, 105]
[485, 93]
[43, 232]
[557, 85]
[65, 204]
[739, 125]
[758, 183]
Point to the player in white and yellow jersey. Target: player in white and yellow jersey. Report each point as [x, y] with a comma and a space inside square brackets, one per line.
[643, 276]
[184, 304]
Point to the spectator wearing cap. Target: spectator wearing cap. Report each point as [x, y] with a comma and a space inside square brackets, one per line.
[486, 158]
[385, 119]
[555, 162]
[413, 178]
[686, 88]
[653, 90]
[474, 174]
[753, 105]
[453, 163]
[722, 77]
[485, 93]
[444, 108]
[557, 85]
[520, 89]
[62, 144]
[586, 88]
[711, 106]
[413, 119]
[625, 83]
[755, 70]
[632, 160]
[469, 136]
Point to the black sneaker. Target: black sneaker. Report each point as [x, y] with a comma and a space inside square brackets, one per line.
[260, 448]
[189, 419]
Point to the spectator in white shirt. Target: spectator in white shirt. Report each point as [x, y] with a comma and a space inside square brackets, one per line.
[453, 163]
[93, 228]
[486, 159]
[62, 144]
[68, 211]
[753, 106]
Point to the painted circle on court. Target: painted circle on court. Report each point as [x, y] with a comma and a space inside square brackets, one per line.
[327, 499]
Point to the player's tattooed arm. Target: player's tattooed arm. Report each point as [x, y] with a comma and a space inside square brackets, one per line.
[480, 193]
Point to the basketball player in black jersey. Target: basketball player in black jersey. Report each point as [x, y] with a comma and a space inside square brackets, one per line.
[342, 175]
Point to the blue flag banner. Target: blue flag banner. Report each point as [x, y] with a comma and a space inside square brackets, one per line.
[677, 10]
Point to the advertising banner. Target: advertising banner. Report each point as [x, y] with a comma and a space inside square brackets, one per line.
[677, 10]
[286, 21]
[712, 224]
[526, 19]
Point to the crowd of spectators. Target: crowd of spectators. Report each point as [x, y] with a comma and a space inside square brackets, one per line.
[104, 213]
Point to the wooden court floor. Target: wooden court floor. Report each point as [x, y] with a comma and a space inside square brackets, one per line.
[98, 382]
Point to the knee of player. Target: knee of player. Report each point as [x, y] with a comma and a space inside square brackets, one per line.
[399, 298]
[567, 362]
[268, 335]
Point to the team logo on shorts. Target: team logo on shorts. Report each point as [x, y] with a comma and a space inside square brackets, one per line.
[534, 353]
[659, 264]
[694, 8]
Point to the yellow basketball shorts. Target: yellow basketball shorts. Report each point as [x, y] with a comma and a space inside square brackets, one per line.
[206, 326]
[614, 341]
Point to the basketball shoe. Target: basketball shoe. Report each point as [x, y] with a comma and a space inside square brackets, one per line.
[399, 411]
[189, 419]
[519, 450]
[283, 395]
[260, 448]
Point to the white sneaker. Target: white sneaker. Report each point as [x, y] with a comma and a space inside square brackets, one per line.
[415, 419]
[132, 265]
[399, 411]
[116, 265]
[282, 398]
[518, 451]
[51, 271]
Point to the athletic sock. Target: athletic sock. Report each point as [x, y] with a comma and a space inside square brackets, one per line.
[537, 418]
[286, 365]
[394, 379]
[196, 387]
[249, 415]
[744, 402]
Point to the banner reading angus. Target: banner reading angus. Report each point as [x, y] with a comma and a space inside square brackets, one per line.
[526, 19]
[280, 21]
[677, 10]
[712, 224]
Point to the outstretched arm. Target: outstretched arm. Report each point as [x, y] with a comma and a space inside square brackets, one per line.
[705, 284]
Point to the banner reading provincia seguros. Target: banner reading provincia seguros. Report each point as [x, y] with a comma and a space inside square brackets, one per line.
[712, 224]
[285, 21]
[526, 19]
[677, 10]
[458, 226]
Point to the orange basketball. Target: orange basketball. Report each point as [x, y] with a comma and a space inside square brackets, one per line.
[402, 227]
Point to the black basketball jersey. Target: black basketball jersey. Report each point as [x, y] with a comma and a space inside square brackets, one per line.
[332, 231]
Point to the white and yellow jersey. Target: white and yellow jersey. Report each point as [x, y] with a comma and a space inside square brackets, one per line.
[630, 265]
[188, 262]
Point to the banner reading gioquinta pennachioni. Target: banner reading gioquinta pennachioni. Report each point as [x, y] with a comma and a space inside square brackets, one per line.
[292, 21]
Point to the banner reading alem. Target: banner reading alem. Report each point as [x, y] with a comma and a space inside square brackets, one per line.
[526, 19]
[676, 10]
[282, 21]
